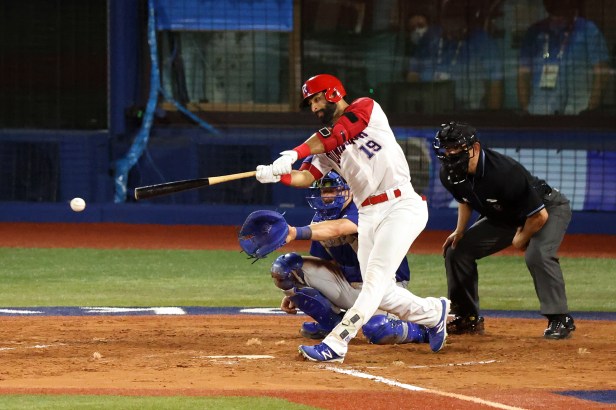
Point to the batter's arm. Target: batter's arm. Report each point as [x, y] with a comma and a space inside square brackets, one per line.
[283, 165]
[299, 179]
[314, 144]
[347, 126]
[353, 121]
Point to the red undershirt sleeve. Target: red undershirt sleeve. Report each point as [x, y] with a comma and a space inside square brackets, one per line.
[349, 125]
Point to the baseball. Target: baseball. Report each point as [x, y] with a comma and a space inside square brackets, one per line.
[78, 204]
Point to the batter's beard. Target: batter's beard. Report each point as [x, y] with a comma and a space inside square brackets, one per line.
[328, 113]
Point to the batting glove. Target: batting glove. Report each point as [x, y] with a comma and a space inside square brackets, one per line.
[283, 164]
[265, 175]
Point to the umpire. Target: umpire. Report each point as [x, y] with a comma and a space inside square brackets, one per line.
[516, 208]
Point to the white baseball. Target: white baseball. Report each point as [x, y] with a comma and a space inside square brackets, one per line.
[78, 204]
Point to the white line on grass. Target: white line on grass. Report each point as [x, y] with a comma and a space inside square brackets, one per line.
[156, 310]
[389, 382]
[20, 312]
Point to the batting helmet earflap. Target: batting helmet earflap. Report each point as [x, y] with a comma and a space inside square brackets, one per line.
[333, 88]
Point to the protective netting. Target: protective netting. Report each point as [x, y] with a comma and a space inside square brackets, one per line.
[420, 58]
[416, 57]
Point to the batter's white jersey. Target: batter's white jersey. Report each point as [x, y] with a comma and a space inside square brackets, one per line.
[371, 162]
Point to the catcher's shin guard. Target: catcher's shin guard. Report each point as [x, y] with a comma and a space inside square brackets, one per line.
[384, 330]
[317, 306]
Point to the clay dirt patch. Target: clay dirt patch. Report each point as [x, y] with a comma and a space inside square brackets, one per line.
[257, 355]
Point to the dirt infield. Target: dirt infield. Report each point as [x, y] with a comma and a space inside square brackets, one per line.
[97, 235]
[509, 367]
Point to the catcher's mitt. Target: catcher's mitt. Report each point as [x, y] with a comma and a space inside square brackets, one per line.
[262, 233]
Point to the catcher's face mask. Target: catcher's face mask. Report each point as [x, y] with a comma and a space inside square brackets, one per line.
[328, 195]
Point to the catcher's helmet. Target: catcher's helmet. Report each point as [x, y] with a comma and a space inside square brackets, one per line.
[328, 195]
[283, 268]
[334, 91]
[459, 138]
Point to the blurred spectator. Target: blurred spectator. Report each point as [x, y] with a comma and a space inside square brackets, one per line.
[422, 35]
[563, 61]
[461, 51]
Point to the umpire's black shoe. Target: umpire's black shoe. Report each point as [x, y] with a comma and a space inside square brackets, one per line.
[559, 327]
[466, 325]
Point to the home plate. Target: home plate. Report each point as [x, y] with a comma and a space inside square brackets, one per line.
[241, 356]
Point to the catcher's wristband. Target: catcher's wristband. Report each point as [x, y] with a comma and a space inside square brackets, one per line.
[303, 232]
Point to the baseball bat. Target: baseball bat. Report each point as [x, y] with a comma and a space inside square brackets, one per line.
[152, 191]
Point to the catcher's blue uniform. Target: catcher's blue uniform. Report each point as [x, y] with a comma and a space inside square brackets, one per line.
[343, 250]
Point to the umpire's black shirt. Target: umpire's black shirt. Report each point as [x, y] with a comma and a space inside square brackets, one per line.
[501, 189]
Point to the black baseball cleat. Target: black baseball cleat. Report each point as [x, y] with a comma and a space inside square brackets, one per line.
[559, 327]
[466, 325]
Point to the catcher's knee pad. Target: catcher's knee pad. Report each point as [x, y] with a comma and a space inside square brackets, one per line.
[383, 330]
[283, 268]
[314, 304]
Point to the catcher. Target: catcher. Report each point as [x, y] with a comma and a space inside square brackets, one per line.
[327, 282]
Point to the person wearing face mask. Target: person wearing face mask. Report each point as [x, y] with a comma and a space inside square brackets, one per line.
[461, 51]
[515, 208]
[421, 37]
[563, 63]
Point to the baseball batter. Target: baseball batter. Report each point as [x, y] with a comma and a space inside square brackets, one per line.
[329, 280]
[358, 143]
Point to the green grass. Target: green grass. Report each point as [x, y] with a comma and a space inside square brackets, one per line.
[92, 277]
[77, 277]
[60, 402]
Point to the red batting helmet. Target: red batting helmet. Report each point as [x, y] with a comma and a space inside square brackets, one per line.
[334, 91]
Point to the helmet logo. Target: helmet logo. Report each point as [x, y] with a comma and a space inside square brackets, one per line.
[330, 85]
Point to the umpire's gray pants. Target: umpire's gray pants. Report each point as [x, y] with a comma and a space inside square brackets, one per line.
[485, 238]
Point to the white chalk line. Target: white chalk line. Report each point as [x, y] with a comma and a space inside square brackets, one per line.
[29, 347]
[442, 365]
[238, 356]
[20, 312]
[389, 382]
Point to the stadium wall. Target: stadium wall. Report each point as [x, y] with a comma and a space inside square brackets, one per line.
[581, 164]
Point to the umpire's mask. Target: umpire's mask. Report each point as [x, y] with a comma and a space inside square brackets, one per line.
[451, 146]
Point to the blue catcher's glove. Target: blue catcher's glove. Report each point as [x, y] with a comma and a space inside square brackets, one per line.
[262, 233]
